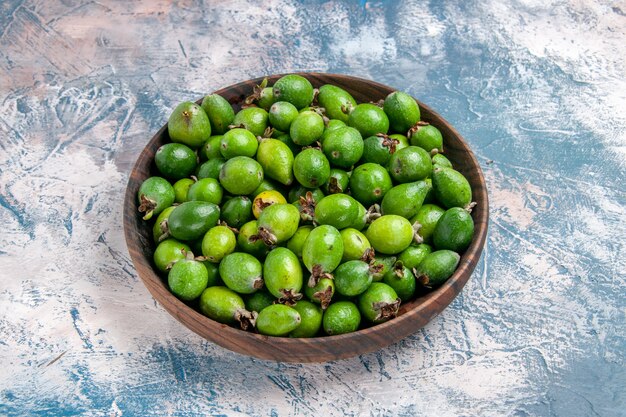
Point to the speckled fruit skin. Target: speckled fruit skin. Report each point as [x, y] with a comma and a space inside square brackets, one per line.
[323, 247]
[369, 183]
[390, 234]
[282, 272]
[278, 320]
[188, 124]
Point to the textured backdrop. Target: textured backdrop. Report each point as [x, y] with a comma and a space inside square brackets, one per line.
[538, 90]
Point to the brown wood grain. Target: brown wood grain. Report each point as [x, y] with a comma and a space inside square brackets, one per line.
[413, 315]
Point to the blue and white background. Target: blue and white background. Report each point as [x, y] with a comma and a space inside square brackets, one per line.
[537, 88]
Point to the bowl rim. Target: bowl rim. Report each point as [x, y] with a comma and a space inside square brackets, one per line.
[432, 300]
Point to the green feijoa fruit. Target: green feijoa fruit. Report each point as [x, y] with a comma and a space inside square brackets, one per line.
[322, 252]
[410, 164]
[379, 303]
[352, 278]
[378, 149]
[187, 279]
[181, 188]
[368, 119]
[337, 182]
[155, 195]
[369, 183]
[160, 225]
[267, 185]
[278, 320]
[390, 234]
[192, 219]
[296, 243]
[241, 272]
[225, 306]
[437, 267]
[253, 119]
[454, 230]
[266, 98]
[294, 89]
[355, 244]
[258, 301]
[175, 160]
[414, 255]
[405, 199]
[277, 160]
[281, 114]
[283, 274]
[206, 189]
[321, 293]
[427, 217]
[427, 137]
[441, 161]
[214, 273]
[311, 315]
[337, 102]
[218, 242]
[403, 141]
[337, 210]
[341, 317]
[169, 251]
[451, 188]
[278, 223]
[300, 191]
[248, 241]
[219, 111]
[331, 125]
[237, 211]
[210, 168]
[343, 147]
[306, 128]
[189, 124]
[402, 110]
[311, 168]
[382, 264]
[241, 175]
[211, 148]
[402, 280]
[238, 142]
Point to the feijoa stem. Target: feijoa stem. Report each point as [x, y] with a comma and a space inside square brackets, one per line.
[388, 142]
[421, 279]
[368, 256]
[416, 236]
[307, 207]
[257, 283]
[386, 310]
[246, 319]
[317, 273]
[372, 213]
[290, 297]
[147, 206]
[324, 297]
[398, 268]
[165, 230]
[266, 236]
[417, 126]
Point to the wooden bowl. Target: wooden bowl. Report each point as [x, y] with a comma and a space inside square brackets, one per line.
[412, 316]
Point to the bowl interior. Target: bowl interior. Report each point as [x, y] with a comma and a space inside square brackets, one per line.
[413, 314]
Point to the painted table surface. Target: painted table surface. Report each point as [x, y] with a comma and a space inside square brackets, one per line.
[536, 87]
